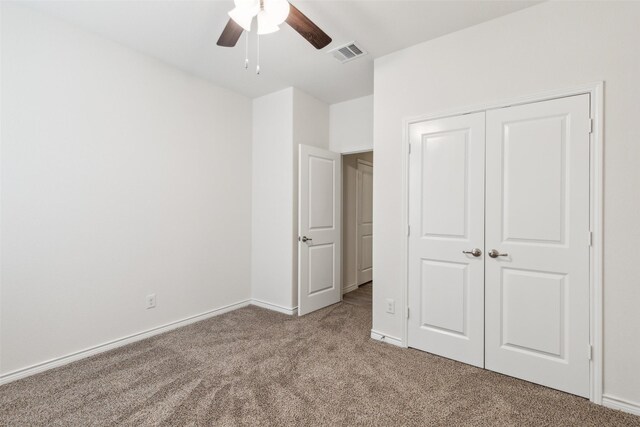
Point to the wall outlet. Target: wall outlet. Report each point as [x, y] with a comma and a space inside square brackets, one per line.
[151, 301]
[391, 306]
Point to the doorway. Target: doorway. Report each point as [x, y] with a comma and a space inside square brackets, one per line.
[335, 228]
[357, 230]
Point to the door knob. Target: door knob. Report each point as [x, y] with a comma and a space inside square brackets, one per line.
[476, 252]
[493, 253]
[306, 239]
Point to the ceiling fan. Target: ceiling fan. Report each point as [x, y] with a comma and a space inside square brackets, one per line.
[270, 14]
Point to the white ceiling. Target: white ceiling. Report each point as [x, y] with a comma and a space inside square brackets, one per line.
[184, 33]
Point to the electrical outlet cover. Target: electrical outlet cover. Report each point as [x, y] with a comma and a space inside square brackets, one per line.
[151, 301]
[391, 306]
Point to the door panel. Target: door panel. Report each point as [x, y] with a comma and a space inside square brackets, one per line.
[321, 277]
[321, 193]
[319, 222]
[446, 215]
[364, 218]
[444, 294]
[537, 215]
[526, 294]
[528, 145]
[444, 184]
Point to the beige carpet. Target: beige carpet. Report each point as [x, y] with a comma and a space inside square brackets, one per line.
[256, 367]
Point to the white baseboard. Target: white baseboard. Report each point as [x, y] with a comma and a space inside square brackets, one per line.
[349, 288]
[385, 338]
[64, 360]
[274, 307]
[621, 404]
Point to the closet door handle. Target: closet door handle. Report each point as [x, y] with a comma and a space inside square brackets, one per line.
[476, 252]
[493, 253]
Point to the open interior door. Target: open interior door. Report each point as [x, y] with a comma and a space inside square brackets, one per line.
[319, 228]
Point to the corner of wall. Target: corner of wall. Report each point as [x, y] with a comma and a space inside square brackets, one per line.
[271, 252]
[310, 126]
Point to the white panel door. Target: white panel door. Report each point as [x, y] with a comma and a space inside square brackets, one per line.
[446, 217]
[537, 219]
[364, 226]
[319, 229]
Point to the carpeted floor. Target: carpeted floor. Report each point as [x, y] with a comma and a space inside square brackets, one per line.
[257, 367]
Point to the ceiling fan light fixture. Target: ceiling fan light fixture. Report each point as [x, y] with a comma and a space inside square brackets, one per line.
[271, 13]
[266, 25]
[278, 10]
[249, 5]
[242, 17]
[244, 12]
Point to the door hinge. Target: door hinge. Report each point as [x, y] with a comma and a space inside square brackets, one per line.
[408, 230]
[409, 149]
[407, 312]
[590, 238]
[590, 352]
[590, 125]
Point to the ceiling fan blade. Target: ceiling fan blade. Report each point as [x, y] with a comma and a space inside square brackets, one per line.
[230, 34]
[307, 29]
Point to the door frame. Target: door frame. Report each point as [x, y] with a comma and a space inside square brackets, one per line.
[596, 214]
[358, 208]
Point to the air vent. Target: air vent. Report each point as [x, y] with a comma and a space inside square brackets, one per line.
[348, 52]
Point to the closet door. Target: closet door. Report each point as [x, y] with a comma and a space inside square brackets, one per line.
[446, 263]
[537, 243]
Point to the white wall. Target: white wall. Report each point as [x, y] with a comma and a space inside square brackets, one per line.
[272, 257]
[311, 121]
[349, 218]
[310, 127]
[281, 121]
[352, 125]
[554, 45]
[121, 177]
